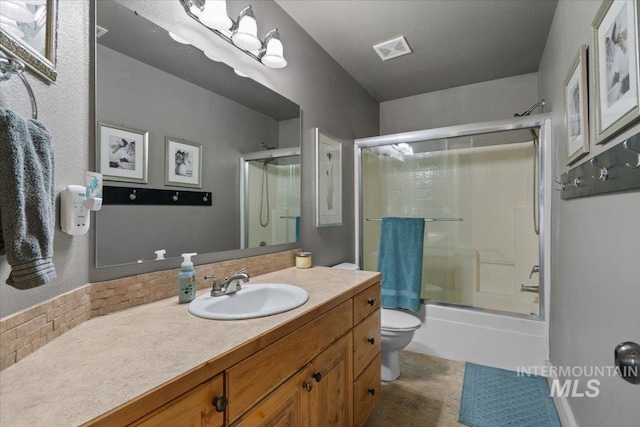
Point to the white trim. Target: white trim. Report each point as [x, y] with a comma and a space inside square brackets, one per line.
[562, 403]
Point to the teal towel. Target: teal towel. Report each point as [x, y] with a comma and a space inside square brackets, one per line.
[400, 262]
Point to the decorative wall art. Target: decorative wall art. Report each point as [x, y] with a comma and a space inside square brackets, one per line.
[328, 180]
[576, 107]
[615, 29]
[122, 153]
[183, 163]
[28, 32]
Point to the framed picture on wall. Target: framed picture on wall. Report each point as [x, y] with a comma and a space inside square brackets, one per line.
[615, 45]
[122, 153]
[183, 163]
[28, 32]
[328, 180]
[576, 107]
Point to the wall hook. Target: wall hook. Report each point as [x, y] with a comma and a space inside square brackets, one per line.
[133, 195]
[563, 186]
[175, 196]
[604, 172]
[577, 181]
[625, 145]
[206, 197]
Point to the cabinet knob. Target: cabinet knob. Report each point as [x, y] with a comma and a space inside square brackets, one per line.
[371, 301]
[372, 341]
[220, 403]
[307, 385]
[372, 391]
[317, 376]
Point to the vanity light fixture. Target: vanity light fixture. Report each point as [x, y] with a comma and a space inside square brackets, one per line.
[242, 33]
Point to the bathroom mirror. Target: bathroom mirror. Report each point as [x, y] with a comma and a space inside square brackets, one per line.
[146, 80]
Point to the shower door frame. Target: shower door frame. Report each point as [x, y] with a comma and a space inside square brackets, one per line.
[244, 178]
[540, 121]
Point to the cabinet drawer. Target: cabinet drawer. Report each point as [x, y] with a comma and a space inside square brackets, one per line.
[366, 302]
[366, 392]
[255, 377]
[366, 342]
[193, 408]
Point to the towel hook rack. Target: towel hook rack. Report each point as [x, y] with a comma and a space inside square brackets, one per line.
[10, 66]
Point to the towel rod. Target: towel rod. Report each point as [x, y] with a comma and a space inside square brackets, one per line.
[10, 66]
[425, 219]
[288, 217]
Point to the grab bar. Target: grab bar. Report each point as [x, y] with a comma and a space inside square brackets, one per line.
[426, 219]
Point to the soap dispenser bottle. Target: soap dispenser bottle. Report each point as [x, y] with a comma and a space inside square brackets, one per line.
[186, 280]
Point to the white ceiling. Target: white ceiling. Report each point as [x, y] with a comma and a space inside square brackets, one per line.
[454, 42]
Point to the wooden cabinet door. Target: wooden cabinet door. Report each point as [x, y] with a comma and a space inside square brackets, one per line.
[287, 406]
[194, 409]
[331, 402]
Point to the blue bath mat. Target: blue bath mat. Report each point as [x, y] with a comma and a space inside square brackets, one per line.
[494, 397]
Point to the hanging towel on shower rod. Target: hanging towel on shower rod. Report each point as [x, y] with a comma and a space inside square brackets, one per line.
[400, 262]
[27, 200]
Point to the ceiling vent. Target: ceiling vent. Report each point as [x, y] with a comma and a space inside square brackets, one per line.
[100, 31]
[392, 48]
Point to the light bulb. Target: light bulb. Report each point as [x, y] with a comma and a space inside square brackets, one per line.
[273, 55]
[246, 36]
[215, 15]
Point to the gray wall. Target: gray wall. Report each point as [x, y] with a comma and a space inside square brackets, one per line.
[136, 95]
[329, 97]
[492, 100]
[595, 286]
[64, 108]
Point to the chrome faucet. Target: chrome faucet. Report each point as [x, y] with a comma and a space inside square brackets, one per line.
[534, 289]
[231, 284]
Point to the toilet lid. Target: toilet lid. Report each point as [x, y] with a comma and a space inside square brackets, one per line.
[398, 320]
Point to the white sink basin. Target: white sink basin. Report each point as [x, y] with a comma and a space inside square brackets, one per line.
[253, 300]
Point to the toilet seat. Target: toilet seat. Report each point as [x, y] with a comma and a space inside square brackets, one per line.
[394, 320]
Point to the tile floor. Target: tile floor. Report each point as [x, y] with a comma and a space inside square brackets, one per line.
[427, 394]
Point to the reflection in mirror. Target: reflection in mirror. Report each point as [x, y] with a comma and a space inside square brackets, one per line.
[271, 197]
[146, 80]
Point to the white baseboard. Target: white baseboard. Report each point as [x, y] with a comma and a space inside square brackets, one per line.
[562, 403]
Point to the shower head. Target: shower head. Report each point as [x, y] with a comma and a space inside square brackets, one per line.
[526, 113]
[266, 146]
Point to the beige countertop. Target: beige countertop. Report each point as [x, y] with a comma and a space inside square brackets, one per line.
[107, 361]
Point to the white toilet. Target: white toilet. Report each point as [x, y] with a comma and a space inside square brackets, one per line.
[397, 329]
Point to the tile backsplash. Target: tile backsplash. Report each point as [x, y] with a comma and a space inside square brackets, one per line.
[26, 331]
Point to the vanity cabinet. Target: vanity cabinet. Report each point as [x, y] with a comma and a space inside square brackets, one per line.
[251, 380]
[320, 394]
[195, 408]
[325, 372]
[366, 353]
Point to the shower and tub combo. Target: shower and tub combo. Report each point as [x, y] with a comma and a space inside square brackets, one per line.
[481, 189]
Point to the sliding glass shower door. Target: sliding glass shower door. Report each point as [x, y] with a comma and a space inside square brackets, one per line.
[482, 260]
